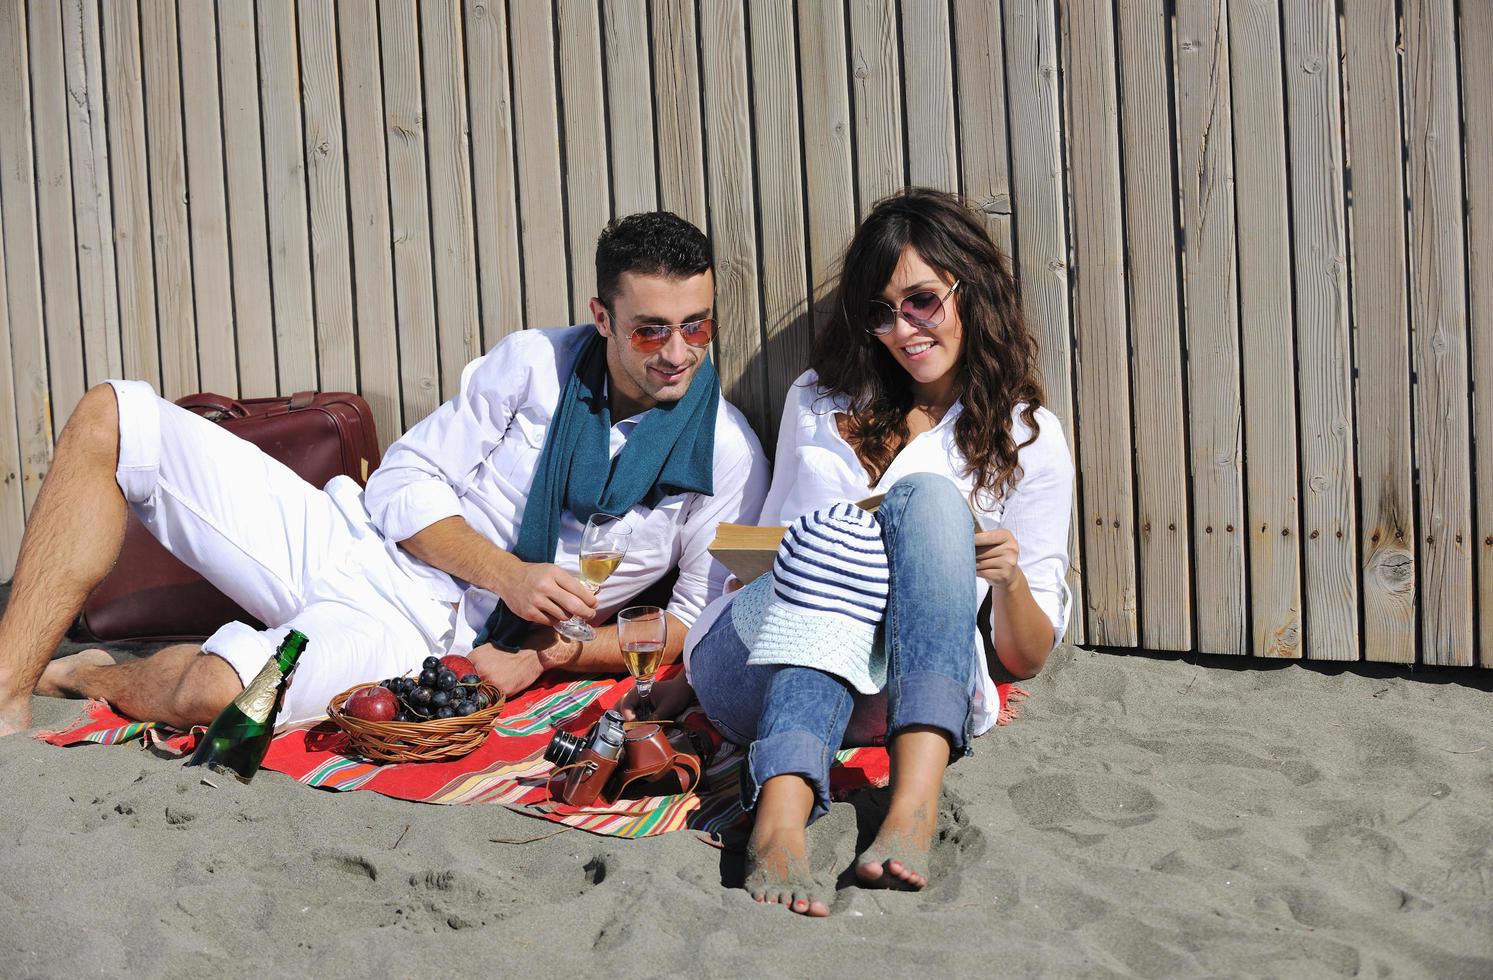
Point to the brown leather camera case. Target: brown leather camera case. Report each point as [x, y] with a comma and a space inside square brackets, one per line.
[649, 755]
[150, 595]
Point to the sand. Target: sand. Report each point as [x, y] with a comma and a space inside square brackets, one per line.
[1146, 816]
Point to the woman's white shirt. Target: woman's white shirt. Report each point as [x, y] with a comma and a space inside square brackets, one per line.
[815, 467]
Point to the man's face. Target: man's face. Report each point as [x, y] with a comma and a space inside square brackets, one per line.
[664, 375]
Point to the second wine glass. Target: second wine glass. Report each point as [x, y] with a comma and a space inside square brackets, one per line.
[603, 545]
[642, 632]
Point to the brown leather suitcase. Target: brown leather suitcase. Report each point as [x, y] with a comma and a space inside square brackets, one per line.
[150, 595]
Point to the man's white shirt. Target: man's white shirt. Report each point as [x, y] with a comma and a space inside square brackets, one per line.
[475, 457]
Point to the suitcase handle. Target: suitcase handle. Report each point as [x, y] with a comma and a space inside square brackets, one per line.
[213, 407]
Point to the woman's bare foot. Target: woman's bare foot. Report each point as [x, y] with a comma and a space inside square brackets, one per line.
[919, 755]
[60, 679]
[777, 858]
[900, 848]
[778, 870]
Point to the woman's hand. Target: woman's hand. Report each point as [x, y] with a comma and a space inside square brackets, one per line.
[997, 559]
[670, 699]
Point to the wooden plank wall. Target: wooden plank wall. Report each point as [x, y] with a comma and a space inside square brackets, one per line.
[1254, 238]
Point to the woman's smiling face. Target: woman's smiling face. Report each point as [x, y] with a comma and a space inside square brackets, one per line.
[930, 355]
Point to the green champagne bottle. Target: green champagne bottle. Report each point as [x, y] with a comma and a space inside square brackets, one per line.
[237, 739]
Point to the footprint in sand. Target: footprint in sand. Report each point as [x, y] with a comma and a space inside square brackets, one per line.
[353, 864]
[441, 899]
[1085, 807]
[595, 870]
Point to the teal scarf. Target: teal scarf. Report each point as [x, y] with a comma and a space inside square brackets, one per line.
[671, 451]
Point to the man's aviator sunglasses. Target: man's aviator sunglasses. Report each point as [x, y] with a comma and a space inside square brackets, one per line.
[651, 337]
[924, 309]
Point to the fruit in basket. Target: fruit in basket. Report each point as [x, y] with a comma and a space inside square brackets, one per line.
[458, 665]
[437, 692]
[372, 703]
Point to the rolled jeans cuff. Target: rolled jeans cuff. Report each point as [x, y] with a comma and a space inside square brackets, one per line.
[933, 700]
[795, 752]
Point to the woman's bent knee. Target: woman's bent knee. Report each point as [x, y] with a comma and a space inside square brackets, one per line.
[925, 502]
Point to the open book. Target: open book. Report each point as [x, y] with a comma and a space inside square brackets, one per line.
[748, 550]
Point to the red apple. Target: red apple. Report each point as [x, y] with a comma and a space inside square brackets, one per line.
[372, 703]
[458, 665]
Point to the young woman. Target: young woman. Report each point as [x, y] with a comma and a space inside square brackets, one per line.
[923, 387]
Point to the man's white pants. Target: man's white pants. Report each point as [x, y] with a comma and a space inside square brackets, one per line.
[294, 556]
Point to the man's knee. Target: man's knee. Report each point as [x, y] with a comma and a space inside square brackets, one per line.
[205, 687]
[94, 423]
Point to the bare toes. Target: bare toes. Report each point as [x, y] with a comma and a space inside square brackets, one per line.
[887, 873]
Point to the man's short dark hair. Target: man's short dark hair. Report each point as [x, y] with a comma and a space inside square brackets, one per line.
[654, 243]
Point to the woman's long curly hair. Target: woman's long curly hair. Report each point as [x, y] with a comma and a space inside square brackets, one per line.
[998, 370]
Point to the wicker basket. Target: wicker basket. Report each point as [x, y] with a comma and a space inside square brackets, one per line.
[436, 740]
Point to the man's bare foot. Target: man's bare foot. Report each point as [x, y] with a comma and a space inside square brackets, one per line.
[15, 716]
[60, 679]
[777, 861]
[900, 848]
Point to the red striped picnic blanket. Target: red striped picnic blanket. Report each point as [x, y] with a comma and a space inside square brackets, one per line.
[509, 769]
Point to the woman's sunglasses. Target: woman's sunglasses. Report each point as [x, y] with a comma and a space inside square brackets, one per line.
[651, 337]
[925, 309]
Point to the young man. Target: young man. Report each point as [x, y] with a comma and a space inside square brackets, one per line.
[468, 531]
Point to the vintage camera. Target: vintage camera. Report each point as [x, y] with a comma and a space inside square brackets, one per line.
[610, 760]
[583, 764]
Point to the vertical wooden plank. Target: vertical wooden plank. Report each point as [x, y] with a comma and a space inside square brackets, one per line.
[54, 205]
[168, 198]
[1477, 104]
[728, 128]
[536, 130]
[1041, 224]
[248, 245]
[458, 323]
[1107, 508]
[1165, 555]
[1371, 97]
[676, 95]
[1438, 317]
[368, 200]
[134, 260]
[12, 503]
[285, 190]
[587, 194]
[93, 216]
[499, 283]
[326, 186]
[928, 76]
[1267, 341]
[786, 313]
[983, 151]
[414, 291]
[28, 346]
[629, 106]
[207, 207]
[828, 167]
[1324, 355]
[876, 72]
[1207, 150]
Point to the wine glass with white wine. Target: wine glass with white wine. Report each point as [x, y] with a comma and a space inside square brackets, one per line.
[642, 630]
[603, 544]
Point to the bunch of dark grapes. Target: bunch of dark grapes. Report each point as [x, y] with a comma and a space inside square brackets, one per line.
[436, 693]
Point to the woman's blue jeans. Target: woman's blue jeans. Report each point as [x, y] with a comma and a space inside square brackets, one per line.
[796, 718]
